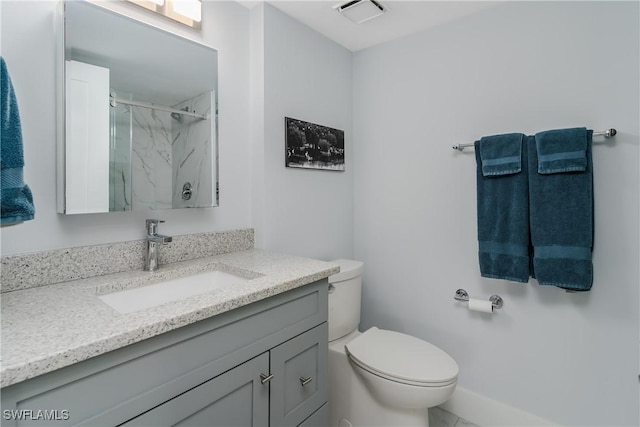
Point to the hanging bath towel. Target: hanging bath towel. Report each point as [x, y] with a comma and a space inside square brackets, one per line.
[561, 199]
[503, 207]
[17, 201]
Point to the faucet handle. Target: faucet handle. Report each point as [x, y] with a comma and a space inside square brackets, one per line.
[152, 225]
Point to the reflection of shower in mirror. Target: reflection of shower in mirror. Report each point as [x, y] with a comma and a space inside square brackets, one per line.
[155, 149]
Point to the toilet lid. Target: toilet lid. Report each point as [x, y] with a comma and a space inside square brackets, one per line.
[402, 357]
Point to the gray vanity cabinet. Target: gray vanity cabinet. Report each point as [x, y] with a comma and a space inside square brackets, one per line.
[257, 393]
[210, 373]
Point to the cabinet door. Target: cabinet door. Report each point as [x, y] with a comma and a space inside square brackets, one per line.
[235, 398]
[299, 384]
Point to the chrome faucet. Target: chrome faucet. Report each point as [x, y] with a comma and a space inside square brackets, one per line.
[153, 239]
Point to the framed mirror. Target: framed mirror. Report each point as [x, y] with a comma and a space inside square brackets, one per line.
[138, 115]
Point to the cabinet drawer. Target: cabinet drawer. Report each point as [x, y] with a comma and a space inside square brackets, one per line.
[299, 384]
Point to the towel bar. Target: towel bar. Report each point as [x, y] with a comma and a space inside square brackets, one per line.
[462, 295]
[606, 133]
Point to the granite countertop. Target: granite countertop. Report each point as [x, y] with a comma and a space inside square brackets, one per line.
[50, 327]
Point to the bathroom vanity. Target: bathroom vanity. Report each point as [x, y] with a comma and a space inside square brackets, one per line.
[254, 354]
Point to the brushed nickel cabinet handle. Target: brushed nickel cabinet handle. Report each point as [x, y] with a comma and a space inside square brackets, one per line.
[304, 381]
[265, 378]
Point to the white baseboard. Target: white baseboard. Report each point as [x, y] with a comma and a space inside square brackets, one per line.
[487, 412]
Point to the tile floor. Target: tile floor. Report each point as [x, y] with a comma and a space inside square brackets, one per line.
[438, 417]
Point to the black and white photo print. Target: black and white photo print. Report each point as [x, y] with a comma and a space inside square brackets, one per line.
[313, 146]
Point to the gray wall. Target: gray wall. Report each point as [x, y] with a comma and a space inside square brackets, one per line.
[307, 77]
[518, 67]
[29, 49]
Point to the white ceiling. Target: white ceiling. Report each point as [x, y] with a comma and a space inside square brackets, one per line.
[401, 18]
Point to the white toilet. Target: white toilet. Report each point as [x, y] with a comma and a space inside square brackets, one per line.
[379, 377]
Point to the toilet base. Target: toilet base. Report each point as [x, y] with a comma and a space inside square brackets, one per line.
[352, 404]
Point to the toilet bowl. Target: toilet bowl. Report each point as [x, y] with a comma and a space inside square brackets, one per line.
[403, 371]
[379, 377]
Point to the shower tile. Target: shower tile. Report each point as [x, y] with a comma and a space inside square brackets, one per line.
[193, 153]
[151, 159]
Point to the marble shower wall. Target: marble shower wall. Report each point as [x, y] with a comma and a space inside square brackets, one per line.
[151, 158]
[193, 154]
[154, 154]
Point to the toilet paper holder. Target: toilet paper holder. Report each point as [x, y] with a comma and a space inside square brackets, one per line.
[462, 295]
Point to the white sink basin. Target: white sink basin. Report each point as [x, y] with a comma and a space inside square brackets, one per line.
[135, 299]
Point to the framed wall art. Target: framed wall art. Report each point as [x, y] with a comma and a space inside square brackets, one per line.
[313, 146]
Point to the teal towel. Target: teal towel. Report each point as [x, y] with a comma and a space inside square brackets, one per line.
[562, 150]
[503, 207]
[501, 154]
[16, 197]
[561, 209]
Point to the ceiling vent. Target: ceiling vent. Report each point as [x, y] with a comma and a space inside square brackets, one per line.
[359, 11]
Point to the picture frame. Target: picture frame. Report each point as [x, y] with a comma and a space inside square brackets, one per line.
[313, 146]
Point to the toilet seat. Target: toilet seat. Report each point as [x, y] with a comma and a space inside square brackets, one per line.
[402, 358]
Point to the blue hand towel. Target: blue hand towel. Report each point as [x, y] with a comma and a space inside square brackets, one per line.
[16, 199]
[501, 154]
[562, 150]
[503, 207]
[561, 209]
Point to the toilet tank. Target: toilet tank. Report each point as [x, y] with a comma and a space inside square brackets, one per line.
[344, 298]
